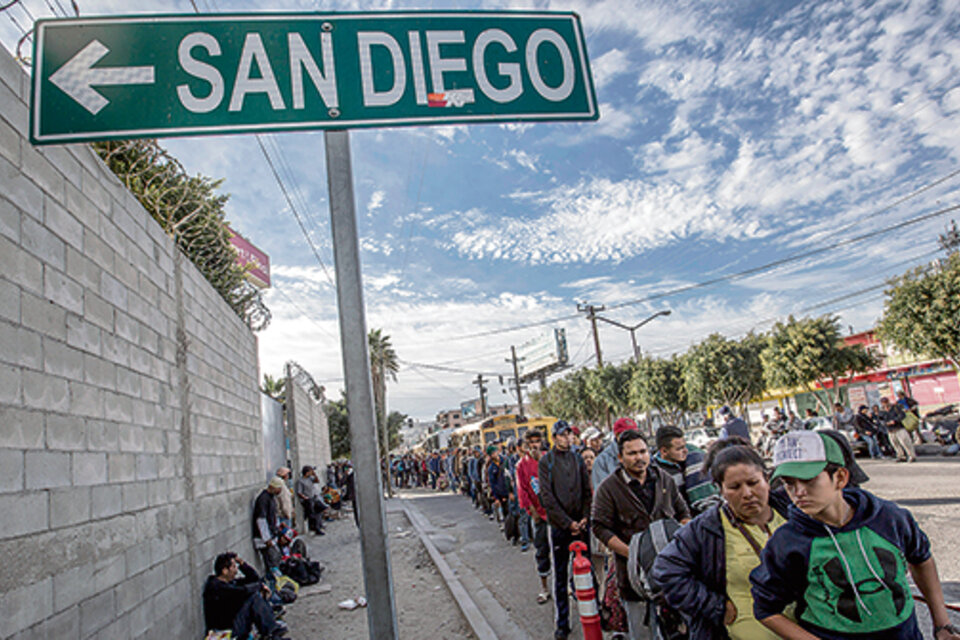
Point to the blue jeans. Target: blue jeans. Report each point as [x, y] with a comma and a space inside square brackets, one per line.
[872, 446]
[524, 524]
[254, 612]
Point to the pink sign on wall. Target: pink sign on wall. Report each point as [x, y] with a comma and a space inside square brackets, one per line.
[254, 260]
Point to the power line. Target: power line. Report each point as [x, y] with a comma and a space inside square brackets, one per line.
[746, 272]
[782, 261]
[438, 367]
[296, 215]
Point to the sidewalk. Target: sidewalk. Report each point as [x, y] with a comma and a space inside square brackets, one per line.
[500, 579]
[424, 606]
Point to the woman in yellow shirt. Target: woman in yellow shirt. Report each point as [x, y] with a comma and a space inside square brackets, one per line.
[704, 571]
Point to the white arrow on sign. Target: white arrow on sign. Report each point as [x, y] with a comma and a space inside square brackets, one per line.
[77, 77]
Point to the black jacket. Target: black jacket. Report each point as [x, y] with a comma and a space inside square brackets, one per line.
[691, 571]
[564, 487]
[265, 507]
[222, 600]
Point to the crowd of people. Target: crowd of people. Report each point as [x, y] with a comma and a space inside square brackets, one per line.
[751, 550]
[237, 599]
[889, 429]
[745, 540]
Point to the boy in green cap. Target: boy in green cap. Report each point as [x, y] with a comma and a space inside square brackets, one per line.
[842, 556]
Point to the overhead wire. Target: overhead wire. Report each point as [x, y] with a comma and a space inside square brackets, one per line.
[293, 209]
[793, 258]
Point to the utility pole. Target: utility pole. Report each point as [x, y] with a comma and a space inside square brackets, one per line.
[483, 395]
[516, 379]
[591, 311]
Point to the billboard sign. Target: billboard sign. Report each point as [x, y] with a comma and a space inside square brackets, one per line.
[178, 75]
[253, 260]
[469, 409]
[544, 354]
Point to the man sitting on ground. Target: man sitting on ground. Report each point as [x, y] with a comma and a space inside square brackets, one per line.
[238, 602]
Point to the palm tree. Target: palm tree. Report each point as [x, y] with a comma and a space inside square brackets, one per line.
[383, 363]
[276, 388]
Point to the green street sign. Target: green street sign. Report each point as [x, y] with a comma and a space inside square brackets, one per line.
[154, 76]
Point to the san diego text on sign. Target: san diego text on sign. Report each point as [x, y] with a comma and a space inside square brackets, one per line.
[184, 75]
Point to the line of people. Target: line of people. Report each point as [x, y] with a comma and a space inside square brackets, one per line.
[802, 552]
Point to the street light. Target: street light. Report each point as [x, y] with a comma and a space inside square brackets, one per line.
[633, 329]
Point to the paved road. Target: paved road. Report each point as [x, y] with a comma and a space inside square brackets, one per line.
[503, 580]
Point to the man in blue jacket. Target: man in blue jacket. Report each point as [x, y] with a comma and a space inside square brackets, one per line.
[684, 464]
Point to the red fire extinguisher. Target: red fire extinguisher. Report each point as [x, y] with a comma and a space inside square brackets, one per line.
[586, 594]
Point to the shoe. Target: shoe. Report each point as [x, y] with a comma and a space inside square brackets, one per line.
[562, 633]
[524, 547]
[281, 629]
[321, 532]
[543, 597]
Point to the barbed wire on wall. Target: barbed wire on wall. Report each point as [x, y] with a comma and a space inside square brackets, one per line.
[305, 381]
[190, 210]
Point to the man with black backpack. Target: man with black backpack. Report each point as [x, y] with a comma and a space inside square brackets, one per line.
[626, 503]
[565, 495]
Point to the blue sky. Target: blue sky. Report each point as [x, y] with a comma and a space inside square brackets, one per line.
[731, 135]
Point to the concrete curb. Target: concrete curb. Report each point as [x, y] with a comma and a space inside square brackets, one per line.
[473, 614]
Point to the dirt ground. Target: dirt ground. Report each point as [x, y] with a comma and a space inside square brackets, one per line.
[424, 606]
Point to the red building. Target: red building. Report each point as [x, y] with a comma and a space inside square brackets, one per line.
[932, 383]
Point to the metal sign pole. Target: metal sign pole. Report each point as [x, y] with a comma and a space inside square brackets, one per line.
[381, 612]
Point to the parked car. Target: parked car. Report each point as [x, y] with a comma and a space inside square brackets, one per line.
[823, 423]
[702, 437]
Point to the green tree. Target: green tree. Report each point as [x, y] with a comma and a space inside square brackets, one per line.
[922, 311]
[801, 352]
[569, 398]
[394, 422]
[339, 422]
[383, 364]
[609, 387]
[276, 388]
[657, 385]
[723, 371]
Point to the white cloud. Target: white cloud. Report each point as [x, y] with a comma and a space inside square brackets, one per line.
[524, 159]
[602, 220]
[608, 66]
[376, 201]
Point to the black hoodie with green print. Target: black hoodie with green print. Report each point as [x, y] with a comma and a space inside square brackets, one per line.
[849, 582]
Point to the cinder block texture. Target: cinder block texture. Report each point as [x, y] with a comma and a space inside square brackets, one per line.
[133, 466]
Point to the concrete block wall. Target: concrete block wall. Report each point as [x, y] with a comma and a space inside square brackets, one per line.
[130, 438]
[307, 419]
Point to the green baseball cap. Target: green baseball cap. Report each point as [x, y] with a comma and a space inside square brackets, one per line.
[804, 454]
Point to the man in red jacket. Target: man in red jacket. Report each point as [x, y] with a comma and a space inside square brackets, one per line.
[527, 497]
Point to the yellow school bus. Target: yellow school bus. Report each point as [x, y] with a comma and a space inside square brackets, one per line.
[502, 428]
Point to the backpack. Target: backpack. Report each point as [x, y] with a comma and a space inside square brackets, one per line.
[644, 549]
[511, 526]
[304, 572]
